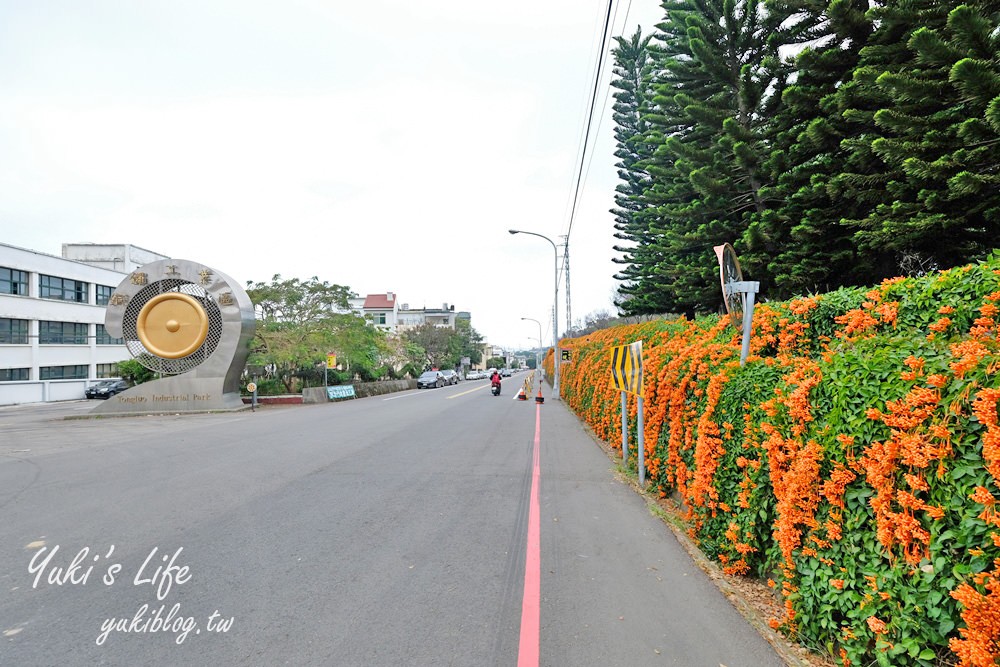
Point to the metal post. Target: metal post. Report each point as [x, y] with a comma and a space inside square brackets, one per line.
[641, 446]
[624, 429]
[751, 293]
[569, 311]
[555, 304]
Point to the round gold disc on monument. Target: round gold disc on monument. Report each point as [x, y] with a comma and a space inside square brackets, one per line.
[172, 325]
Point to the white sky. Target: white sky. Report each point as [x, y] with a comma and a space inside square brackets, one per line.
[381, 144]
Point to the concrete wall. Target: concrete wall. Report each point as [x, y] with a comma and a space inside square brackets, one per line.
[363, 389]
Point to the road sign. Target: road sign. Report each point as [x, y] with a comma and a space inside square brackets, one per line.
[626, 367]
[340, 391]
[251, 387]
[331, 360]
[566, 354]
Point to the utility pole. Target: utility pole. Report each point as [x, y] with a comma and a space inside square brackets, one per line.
[569, 310]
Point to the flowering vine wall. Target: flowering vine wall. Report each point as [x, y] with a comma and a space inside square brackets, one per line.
[854, 461]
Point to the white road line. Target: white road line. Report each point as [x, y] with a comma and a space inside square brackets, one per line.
[393, 398]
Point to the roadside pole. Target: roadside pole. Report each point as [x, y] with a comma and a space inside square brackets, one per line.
[626, 371]
[624, 427]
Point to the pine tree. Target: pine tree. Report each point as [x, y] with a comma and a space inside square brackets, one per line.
[949, 155]
[797, 244]
[900, 108]
[714, 96]
[639, 291]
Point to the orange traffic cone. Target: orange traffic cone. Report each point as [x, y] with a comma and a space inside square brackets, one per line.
[520, 395]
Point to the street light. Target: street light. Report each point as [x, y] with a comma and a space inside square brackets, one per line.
[538, 354]
[555, 305]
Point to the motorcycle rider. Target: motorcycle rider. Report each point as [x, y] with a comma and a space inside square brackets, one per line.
[495, 381]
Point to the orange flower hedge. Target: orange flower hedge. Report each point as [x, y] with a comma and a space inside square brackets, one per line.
[854, 460]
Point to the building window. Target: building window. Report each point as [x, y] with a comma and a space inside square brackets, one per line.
[378, 318]
[63, 372]
[64, 289]
[103, 293]
[107, 370]
[13, 332]
[13, 281]
[62, 333]
[14, 374]
[104, 338]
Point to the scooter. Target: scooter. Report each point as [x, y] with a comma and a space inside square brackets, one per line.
[496, 389]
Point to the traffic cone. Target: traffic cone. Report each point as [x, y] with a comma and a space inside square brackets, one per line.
[520, 395]
[539, 398]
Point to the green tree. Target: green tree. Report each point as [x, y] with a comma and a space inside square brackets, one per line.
[134, 372]
[496, 362]
[639, 291]
[937, 135]
[797, 243]
[718, 85]
[300, 322]
[471, 341]
[891, 89]
[442, 346]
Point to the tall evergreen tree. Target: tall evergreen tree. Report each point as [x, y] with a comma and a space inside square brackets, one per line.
[715, 93]
[938, 135]
[877, 104]
[797, 244]
[639, 293]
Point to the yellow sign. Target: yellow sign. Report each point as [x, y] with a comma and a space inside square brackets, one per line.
[566, 354]
[331, 360]
[626, 367]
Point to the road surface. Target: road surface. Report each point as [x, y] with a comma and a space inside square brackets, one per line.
[429, 527]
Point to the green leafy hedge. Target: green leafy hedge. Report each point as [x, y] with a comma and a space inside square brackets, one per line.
[854, 460]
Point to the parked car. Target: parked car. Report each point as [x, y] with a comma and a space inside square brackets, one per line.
[506, 372]
[106, 389]
[451, 376]
[474, 375]
[431, 379]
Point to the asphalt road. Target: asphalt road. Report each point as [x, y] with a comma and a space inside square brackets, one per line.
[382, 531]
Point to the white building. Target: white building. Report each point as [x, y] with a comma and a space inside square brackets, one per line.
[52, 338]
[384, 311]
[415, 317]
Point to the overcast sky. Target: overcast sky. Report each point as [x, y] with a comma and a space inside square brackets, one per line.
[386, 145]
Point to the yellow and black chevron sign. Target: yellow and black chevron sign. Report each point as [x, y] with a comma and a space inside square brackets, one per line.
[626, 367]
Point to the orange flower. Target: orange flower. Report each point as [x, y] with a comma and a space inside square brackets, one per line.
[941, 324]
[937, 380]
[877, 626]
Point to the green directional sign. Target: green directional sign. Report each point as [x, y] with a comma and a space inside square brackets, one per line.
[626, 367]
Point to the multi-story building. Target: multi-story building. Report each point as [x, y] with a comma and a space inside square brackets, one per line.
[52, 338]
[385, 312]
[382, 310]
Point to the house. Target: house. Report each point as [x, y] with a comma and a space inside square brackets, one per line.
[382, 310]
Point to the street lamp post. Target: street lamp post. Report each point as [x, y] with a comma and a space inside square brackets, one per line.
[538, 354]
[555, 305]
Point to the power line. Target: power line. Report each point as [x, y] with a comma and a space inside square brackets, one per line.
[590, 115]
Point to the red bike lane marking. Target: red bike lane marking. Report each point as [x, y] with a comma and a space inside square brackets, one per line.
[527, 655]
